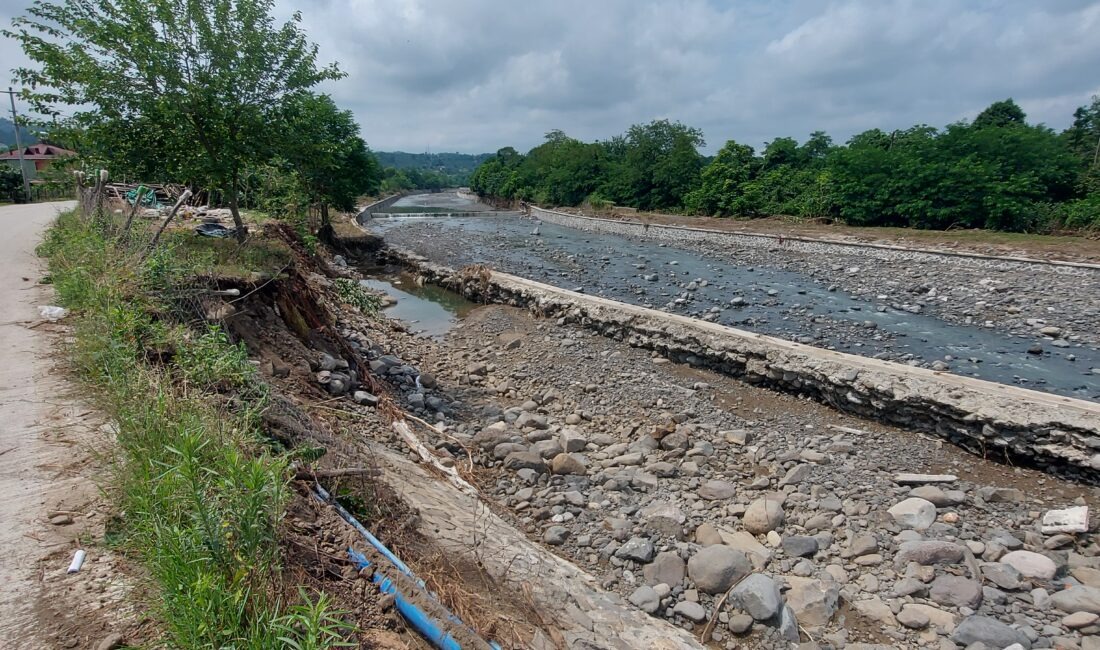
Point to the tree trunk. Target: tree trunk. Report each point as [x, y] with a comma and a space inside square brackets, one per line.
[234, 209]
[324, 214]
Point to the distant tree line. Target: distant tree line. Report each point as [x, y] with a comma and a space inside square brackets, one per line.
[997, 172]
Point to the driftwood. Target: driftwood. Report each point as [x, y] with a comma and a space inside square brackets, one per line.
[577, 611]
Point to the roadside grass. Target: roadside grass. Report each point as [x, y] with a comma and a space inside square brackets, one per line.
[200, 491]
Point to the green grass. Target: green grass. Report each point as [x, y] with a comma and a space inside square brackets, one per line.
[200, 491]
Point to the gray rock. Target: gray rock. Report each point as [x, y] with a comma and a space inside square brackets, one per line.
[740, 623]
[715, 490]
[667, 568]
[814, 601]
[914, 513]
[929, 552]
[524, 460]
[715, 568]
[638, 549]
[758, 595]
[800, 545]
[956, 591]
[645, 599]
[1030, 564]
[990, 631]
[796, 475]
[568, 464]
[1001, 495]
[664, 517]
[864, 544]
[913, 618]
[1079, 598]
[763, 516]
[693, 612]
[1004, 576]
[556, 535]
[365, 398]
[788, 624]
[937, 497]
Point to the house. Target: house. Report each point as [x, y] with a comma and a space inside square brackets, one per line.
[38, 158]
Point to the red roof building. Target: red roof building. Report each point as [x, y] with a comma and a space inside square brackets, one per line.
[41, 155]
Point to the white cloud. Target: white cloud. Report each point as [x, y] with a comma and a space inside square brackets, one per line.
[476, 75]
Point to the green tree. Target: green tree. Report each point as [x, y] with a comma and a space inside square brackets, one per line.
[214, 72]
[659, 165]
[722, 187]
[1003, 113]
[322, 144]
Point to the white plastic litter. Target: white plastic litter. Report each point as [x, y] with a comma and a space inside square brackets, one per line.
[1068, 520]
[52, 313]
[78, 561]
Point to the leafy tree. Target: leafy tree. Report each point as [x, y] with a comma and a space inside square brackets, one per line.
[722, 187]
[660, 164]
[1002, 113]
[322, 144]
[215, 72]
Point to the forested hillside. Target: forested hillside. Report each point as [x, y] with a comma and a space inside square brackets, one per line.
[405, 171]
[997, 172]
[7, 135]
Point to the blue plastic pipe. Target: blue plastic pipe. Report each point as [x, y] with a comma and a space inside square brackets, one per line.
[422, 622]
[417, 618]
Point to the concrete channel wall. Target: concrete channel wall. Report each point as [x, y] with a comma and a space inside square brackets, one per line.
[378, 206]
[687, 235]
[1005, 423]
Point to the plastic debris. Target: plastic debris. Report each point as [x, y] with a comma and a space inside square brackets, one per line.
[52, 313]
[78, 561]
[215, 230]
[1068, 520]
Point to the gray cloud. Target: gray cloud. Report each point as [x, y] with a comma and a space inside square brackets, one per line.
[477, 75]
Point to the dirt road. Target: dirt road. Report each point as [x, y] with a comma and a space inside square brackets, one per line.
[50, 506]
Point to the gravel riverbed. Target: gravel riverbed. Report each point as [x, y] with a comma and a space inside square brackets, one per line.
[1010, 326]
[672, 485]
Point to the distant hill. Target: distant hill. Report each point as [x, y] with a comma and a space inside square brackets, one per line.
[7, 135]
[451, 164]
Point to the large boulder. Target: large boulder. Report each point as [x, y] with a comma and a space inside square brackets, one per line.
[763, 516]
[1030, 564]
[814, 601]
[758, 595]
[715, 568]
[929, 552]
[1080, 598]
[990, 631]
[914, 513]
[667, 568]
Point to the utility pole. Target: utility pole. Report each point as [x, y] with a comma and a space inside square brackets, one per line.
[19, 145]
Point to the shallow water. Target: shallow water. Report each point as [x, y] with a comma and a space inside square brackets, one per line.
[429, 310]
[777, 302]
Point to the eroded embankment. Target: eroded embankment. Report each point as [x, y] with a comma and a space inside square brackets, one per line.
[1058, 434]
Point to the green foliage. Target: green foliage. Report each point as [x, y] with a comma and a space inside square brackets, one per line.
[352, 293]
[172, 73]
[11, 183]
[322, 145]
[200, 491]
[998, 172]
[313, 625]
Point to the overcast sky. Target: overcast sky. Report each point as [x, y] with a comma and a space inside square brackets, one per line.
[477, 75]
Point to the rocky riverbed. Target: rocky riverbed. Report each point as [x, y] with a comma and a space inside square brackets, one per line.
[1013, 326]
[674, 485]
